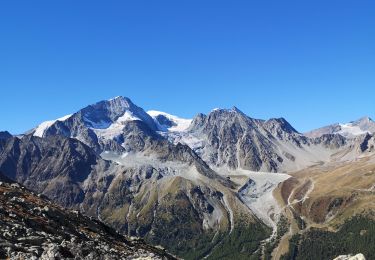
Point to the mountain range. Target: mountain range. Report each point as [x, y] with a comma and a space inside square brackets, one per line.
[221, 185]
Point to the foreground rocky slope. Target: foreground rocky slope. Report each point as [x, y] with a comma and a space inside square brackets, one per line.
[34, 228]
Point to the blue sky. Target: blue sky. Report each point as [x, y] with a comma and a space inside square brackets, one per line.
[312, 62]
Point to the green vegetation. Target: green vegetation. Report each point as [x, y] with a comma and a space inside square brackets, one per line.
[242, 243]
[198, 248]
[282, 228]
[300, 222]
[356, 235]
[177, 226]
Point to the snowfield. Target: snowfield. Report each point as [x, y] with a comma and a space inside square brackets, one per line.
[350, 129]
[41, 129]
[180, 124]
[112, 130]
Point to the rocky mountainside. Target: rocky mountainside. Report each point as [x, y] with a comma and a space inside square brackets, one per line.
[364, 125]
[5, 135]
[126, 194]
[32, 227]
[102, 126]
[197, 187]
[229, 139]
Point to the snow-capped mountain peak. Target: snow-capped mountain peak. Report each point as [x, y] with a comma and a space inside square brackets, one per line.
[167, 122]
[234, 109]
[350, 129]
[101, 122]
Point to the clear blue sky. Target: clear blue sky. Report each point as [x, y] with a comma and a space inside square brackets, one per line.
[312, 62]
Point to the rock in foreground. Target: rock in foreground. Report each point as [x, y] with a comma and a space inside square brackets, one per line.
[31, 227]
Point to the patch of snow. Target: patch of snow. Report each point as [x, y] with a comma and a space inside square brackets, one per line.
[109, 130]
[42, 128]
[114, 98]
[187, 138]
[124, 155]
[127, 116]
[64, 118]
[181, 124]
[350, 129]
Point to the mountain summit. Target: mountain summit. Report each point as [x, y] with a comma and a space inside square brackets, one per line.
[100, 125]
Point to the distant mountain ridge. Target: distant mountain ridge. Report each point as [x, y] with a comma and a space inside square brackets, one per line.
[364, 125]
[191, 185]
[224, 137]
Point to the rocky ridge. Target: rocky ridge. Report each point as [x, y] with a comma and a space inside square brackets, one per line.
[32, 227]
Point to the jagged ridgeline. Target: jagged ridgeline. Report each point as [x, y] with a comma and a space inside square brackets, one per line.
[217, 186]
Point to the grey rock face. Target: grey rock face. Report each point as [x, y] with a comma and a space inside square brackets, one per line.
[326, 130]
[5, 135]
[53, 165]
[283, 131]
[331, 141]
[164, 121]
[198, 121]
[365, 143]
[231, 139]
[235, 140]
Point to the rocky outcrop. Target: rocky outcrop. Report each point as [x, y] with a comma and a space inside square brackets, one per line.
[32, 227]
[351, 257]
[232, 139]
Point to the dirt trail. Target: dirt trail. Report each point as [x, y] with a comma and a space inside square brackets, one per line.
[289, 210]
